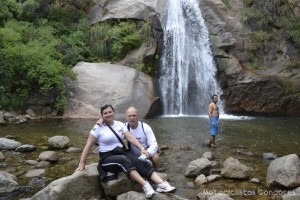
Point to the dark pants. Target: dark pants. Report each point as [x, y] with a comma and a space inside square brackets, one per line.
[124, 162]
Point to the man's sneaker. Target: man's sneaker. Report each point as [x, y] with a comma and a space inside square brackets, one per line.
[165, 187]
[148, 190]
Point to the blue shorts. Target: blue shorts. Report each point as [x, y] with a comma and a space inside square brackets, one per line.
[214, 130]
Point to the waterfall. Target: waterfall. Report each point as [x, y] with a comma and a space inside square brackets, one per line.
[187, 76]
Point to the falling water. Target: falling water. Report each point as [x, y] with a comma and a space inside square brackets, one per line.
[187, 77]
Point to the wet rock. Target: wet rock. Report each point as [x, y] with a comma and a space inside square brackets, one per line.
[8, 182]
[26, 148]
[58, 142]
[284, 171]
[208, 155]
[31, 162]
[234, 169]
[132, 195]
[2, 157]
[197, 167]
[213, 177]
[200, 180]
[244, 152]
[269, 156]
[43, 165]
[50, 156]
[292, 194]
[255, 180]
[35, 173]
[8, 144]
[80, 185]
[74, 150]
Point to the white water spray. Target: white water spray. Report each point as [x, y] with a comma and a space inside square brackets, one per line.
[187, 77]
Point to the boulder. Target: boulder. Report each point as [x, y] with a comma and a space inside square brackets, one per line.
[8, 144]
[8, 182]
[284, 172]
[99, 83]
[140, 196]
[58, 142]
[197, 167]
[234, 169]
[80, 185]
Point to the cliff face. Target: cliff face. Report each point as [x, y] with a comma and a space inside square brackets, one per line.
[256, 76]
[258, 81]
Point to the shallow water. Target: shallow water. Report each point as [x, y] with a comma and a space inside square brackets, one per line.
[187, 139]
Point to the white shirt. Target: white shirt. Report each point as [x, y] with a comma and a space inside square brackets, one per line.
[147, 139]
[107, 140]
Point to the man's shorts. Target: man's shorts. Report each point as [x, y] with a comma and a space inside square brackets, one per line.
[214, 130]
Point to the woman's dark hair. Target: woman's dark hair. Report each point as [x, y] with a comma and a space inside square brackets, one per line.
[104, 106]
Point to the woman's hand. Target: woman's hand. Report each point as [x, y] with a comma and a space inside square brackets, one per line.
[81, 167]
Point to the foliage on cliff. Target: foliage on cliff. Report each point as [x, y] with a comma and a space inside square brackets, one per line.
[271, 20]
[40, 40]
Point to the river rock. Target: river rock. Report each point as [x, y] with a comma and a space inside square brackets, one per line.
[132, 195]
[197, 167]
[234, 169]
[26, 148]
[50, 156]
[74, 150]
[291, 194]
[35, 173]
[42, 164]
[200, 180]
[208, 155]
[213, 177]
[80, 185]
[120, 186]
[269, 156]
[8, 182]
[58, 142]
[2, 157]
[243, 152]
[8, 144]
[284, 171]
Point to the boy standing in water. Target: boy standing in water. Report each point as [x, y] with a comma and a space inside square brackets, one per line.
[213, 114]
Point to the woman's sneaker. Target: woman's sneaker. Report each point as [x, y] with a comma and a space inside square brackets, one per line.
[148, 190]
[165, 187]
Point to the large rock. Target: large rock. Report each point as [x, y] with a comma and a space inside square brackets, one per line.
[130, 9]
[140, 196]
[100, 83]
[8, 144]
[197, 167]
[58, 142]
[270, 88]
[234, 169]
[80, 185]
[8, 182]
[284, 171]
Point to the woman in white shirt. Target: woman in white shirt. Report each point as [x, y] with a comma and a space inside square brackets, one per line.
[113, 161]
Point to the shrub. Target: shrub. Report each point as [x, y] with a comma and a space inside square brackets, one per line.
[29, 61]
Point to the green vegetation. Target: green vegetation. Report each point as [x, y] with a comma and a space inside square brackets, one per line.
[227, 3]
[113, 42]
[41, 40]
[260, 41]
[272, 15]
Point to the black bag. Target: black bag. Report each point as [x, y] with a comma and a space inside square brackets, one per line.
[119, 150]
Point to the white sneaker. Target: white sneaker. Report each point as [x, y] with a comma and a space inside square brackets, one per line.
[165, 187]
[148, 190]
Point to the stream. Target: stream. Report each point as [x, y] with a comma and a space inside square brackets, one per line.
[186, 138]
